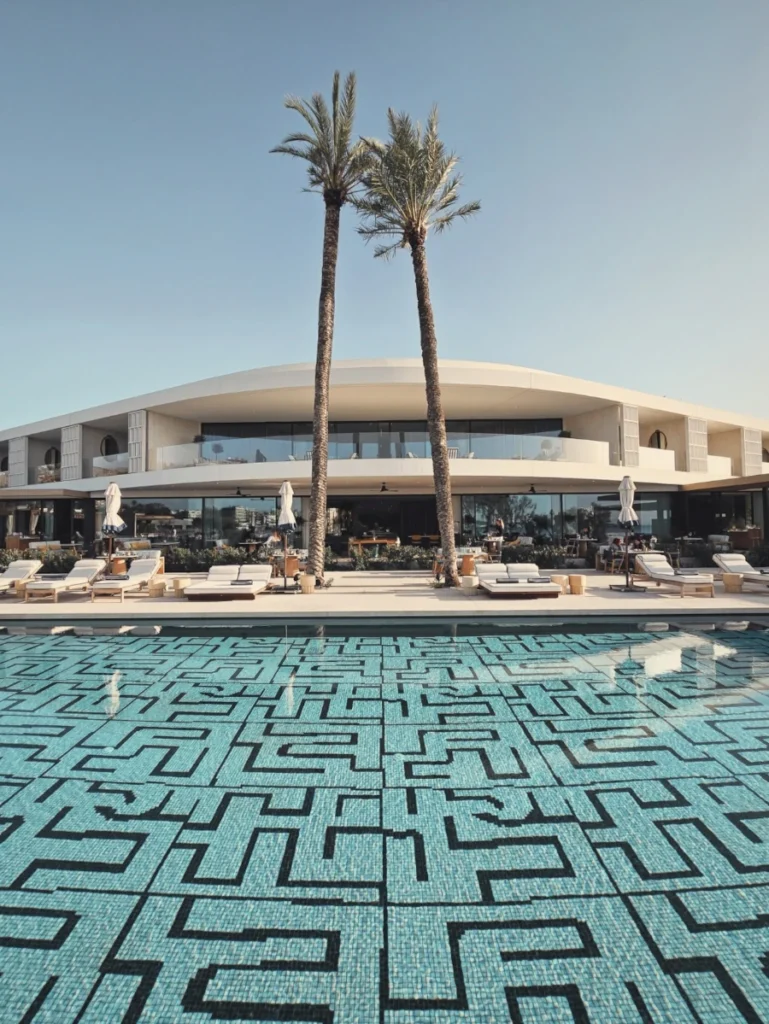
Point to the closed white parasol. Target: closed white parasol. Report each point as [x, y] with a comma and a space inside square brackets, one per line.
[627, 515]
[286, 519]
[112, 522]
[286, 522]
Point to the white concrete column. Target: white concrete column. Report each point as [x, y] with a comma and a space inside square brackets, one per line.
[18, 462]
[629, 436]
[696, 437]
[137, 441]
[72, 452]
[752, 457]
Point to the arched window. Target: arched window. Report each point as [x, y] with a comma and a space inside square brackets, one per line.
[109, 445]
[4, 464]
[658, 440]
[765, 454]
[52, 457]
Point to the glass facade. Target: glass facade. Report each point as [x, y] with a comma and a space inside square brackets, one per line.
[163, 520]
[375, 439]
[551, 518]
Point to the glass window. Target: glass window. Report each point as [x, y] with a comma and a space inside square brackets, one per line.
[458, 436]
[236, 520]
[166, 522]
[301, 440]
[410, 438]
[530, 515]
[488, 439]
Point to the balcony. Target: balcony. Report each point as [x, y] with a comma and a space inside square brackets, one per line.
[3, 479]
[45, 474]
[657, 458]
[110, 465]
[719, 465]
[233, 451]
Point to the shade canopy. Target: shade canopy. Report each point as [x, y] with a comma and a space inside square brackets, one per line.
[286, 520]
[627, 515]
[112, 502]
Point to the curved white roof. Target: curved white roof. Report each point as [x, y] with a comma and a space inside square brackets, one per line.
[394, 389]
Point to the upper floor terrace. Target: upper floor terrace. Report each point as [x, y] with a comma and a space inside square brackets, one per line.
[498, 415]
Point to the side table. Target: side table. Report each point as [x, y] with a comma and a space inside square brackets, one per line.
[733, 582]
[180, 585]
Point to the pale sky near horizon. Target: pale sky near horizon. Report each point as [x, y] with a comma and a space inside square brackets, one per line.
[620, 151]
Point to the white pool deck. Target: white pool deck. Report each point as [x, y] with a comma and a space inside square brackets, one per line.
[380, 595]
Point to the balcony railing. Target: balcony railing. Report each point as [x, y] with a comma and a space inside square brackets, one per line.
[45, 474]
[656, 458]
[3, 479]
[720, 465]
[534, 447]
[110, 465]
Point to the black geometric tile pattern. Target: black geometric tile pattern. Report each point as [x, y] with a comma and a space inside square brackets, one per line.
[395, 830]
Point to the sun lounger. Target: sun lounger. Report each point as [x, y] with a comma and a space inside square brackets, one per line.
[732, 562]
[139, 574]
[18, 572]
[521, 580]
[231, 583]
[689, 582]
[78, 580]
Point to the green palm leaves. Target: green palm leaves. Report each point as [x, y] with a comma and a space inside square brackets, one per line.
[335, 162]
[411, 187]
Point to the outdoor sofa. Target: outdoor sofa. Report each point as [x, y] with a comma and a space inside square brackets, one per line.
[733, 562]
[688, 582]
[139, 574]
[78, 580]
[231, 582]
[18, 572]
[515, 580]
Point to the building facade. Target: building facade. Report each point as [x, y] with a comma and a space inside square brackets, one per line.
[203, 462]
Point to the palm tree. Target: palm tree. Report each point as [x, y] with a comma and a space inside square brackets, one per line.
[412, 187]
[335, 164]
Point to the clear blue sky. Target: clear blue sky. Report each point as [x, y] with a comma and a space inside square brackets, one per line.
[620, 150]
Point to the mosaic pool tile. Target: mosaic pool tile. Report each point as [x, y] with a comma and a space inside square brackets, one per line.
[380, 829]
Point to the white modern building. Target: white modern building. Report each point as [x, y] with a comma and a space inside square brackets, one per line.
[202, 462]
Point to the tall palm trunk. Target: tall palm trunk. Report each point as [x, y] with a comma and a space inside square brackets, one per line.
[317, 548]
[436, 424]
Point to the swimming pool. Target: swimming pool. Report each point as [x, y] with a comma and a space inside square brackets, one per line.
[524, 827]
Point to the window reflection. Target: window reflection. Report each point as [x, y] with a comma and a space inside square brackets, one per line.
[237, 520]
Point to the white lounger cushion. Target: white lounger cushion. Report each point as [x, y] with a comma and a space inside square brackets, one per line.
[22, 569]
[739, 564]
[656, 566]
[519, 574]
[139, 573]
[80, 575]
[220, 578]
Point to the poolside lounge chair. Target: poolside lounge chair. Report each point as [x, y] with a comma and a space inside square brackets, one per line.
[231, 582]
[140, 572]
[515, 580]
[78, 580]
[18, 572]
[688, 581]
[733, 562]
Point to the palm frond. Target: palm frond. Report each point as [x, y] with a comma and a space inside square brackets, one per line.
[335, 164]
[411, 185]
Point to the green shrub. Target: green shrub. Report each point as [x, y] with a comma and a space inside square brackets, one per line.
[330, 559]
[186, 560]
[549, 556]
[360, 560]
[53, 561]
[405, 556]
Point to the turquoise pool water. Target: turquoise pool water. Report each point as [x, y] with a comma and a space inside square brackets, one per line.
[511, 827]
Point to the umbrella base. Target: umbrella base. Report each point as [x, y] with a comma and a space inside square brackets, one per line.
[625, 588]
